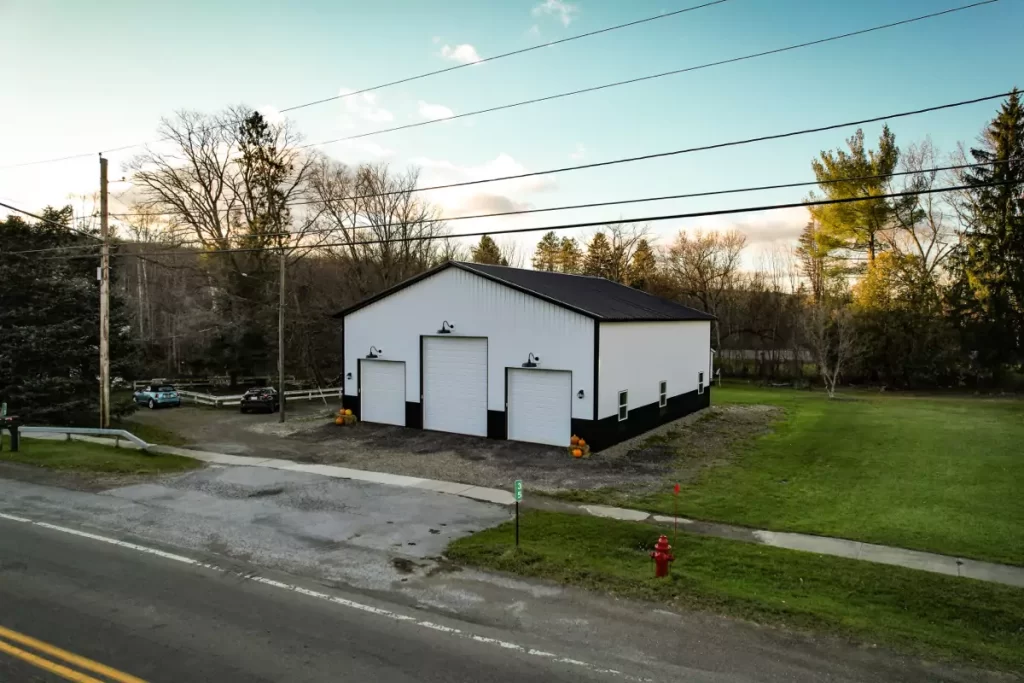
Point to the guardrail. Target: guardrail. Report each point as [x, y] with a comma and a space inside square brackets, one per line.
[202, 381]
[295, 394]
[118, 434]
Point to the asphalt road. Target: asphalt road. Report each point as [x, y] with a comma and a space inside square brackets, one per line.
[161, 620]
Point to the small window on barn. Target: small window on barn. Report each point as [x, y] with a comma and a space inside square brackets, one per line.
[662, 393]
[623, 405]
[700, 382]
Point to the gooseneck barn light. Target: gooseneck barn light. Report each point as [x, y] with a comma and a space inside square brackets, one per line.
[446, 328]
[374, 352]
[531, 361]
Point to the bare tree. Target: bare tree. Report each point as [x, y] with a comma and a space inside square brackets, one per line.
[704, 268]
[921, 232]
[830, 334]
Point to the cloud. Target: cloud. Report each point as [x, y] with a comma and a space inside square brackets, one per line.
[563, 11]
[363, 149]
[760, 228]
[443, 172]
[464, 53]
[484, 203]
[271, 114]
[533, 31]
[362, 107]
[434, 112]
[580, 153]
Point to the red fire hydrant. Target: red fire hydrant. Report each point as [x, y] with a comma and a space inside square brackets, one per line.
[662, 556]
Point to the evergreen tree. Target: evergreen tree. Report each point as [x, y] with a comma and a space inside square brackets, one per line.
[988, 293]
[599, 259]
[546, 255]
[569, 256]
[642, 267]
[856, 225]
[487, 251]
[49, 325]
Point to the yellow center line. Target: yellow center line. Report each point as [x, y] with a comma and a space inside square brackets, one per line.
[47, 665]
[69, 657]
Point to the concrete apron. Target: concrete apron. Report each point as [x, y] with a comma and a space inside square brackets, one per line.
[822, 545]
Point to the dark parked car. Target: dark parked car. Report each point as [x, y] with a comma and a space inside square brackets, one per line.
[261, 398]
[158, 395]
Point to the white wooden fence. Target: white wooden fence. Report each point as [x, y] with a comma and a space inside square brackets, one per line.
[294, 395]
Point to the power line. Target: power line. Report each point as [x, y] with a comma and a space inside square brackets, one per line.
[647, 78]
[619, 202]
[591, 205]
[510, 54]
[46, 220]
[564, 226]
[428, 74]
[656, 155]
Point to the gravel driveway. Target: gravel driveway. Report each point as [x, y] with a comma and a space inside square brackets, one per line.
[310, 436]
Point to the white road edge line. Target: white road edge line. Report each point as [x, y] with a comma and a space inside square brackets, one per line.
[329, 598]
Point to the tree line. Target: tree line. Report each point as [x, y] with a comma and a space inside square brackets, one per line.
[921, 290]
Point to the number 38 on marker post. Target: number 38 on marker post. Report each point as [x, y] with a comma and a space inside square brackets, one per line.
[519, 497]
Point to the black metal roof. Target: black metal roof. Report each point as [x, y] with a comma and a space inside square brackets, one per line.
[594, 297]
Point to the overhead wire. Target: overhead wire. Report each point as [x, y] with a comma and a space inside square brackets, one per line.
[655, 155]
[548, 228]
[588, 34]
[630, 81]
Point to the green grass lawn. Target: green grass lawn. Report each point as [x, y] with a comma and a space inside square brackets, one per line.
[151, 433]
[932, 473]
[917, 612]
[88, 457]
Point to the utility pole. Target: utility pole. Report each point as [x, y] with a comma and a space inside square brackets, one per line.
[104, 277]
[280, 336]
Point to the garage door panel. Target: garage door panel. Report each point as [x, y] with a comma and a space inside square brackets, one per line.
[382, 392]
[455, 385]
[539, 406]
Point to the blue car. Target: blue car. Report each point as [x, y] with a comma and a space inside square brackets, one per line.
[157, 396]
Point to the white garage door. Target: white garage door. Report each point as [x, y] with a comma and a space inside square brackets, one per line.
[455, 385]
[382, 391]
[539, 406]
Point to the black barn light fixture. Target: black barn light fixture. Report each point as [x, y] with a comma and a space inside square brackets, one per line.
[531, 361]
[446, 328]
[374, 352]
[579, 394]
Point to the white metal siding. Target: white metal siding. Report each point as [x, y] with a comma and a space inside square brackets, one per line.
[539, 404]
[516, 324]
[383, 392]
[637, 356]
[455, 385]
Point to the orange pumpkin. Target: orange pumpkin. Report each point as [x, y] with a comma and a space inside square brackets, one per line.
[581, 443]
[577, 453]
[348, 412]
[574, 440]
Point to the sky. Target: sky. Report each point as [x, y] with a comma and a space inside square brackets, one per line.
[81, 77]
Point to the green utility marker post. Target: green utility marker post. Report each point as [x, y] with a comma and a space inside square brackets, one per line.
[519, 497]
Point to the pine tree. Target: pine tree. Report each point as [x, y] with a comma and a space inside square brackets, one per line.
[643, 266]
[599, 259]
[856, 225]
[487, 251]
[49, 325]
[546, 255]
[569, 256]
[990, 259]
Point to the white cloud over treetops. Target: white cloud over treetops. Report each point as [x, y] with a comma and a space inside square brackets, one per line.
[464, 53]
[563, 11]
